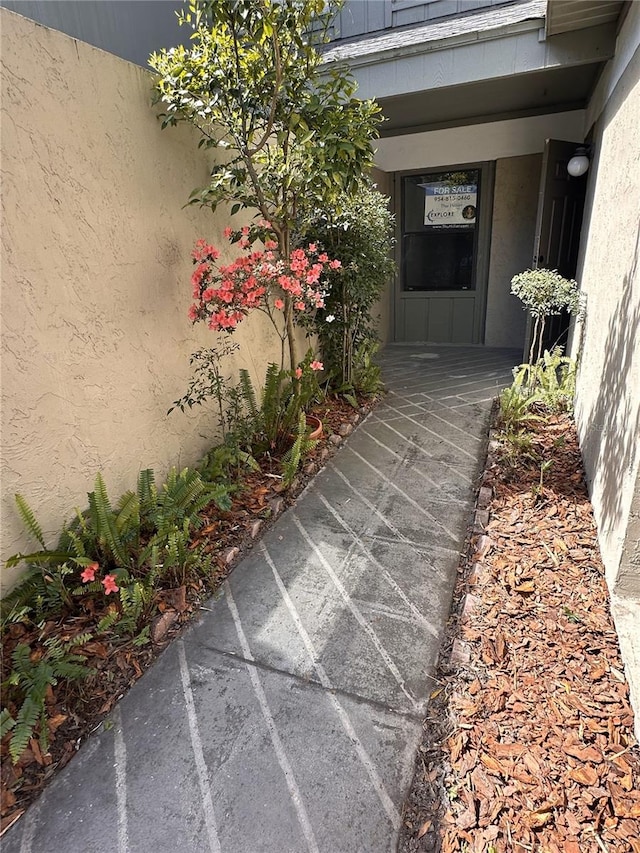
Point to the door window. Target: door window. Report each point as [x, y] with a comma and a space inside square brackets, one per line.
[439, 230]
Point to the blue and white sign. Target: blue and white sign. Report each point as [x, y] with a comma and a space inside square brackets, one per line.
[450, 205]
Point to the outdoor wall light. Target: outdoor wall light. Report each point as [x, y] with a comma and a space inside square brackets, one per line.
[579, 163]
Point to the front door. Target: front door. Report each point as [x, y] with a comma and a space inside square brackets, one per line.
[443, 252]
[559, 220]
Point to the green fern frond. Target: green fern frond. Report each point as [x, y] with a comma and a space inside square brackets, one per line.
[146, 490]
[25, 721]
[6, 722]
[302, 444]
[248, 393]
[107, 527]
[128, 516]
[107, 622]
[24, 595]
[29, 520]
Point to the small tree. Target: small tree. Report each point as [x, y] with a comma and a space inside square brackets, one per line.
[251, 84]
[545, 293]
[360, 233]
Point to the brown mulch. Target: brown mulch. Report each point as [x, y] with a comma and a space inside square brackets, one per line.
[529, 743]
[74, 711]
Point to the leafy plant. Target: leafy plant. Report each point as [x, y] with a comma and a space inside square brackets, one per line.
[285, 396]
[515, 408]
[552, 379]
[358, 231]
[145, 536]
[28, 683]
[207, 381]
[301, 446]
[251, 84]
[545, 293]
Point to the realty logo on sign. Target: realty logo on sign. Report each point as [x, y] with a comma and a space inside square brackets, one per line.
[450, 205]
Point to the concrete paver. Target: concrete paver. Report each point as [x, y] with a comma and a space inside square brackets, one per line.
[288, 717]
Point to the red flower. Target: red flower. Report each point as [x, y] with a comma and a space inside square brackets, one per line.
[109, 584]
[89, 573]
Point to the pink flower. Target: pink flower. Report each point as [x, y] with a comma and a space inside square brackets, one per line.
[298, 372]
[299, 306]
[313, 247]
[227, 232]
[109, 584]
[245, 230]
[316, 365]
[89, 573]
[335, 265]
[270, 244]
[193, 313]
[279, 303]
[323, 258]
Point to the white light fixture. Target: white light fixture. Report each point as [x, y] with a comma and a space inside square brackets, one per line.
[579, 163]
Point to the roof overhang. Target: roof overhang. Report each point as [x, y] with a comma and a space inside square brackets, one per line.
[565, 16]
[486, 64]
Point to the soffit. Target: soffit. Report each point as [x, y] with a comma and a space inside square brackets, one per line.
[490, 100]
[566, 15]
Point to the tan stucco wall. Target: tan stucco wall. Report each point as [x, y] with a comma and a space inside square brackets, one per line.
[515, 202]
[608, 394]
[608, 390]
[95, 278]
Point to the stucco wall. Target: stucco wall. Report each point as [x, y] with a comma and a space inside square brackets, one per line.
[515, 202]
[95, 278]
[608, 393]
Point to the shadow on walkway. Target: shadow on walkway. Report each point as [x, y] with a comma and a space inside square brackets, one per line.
[288, 717]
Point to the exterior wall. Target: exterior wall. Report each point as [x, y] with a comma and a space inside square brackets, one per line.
[132, 29]
[608, 391]
[95, 279]
[515, 203]
[474, 143]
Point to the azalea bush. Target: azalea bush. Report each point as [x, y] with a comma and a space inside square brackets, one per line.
[258, 279]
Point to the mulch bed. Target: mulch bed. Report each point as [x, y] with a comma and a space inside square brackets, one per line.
[76, 710]
[529, 742]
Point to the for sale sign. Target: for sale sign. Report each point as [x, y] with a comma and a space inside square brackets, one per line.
[446, 205]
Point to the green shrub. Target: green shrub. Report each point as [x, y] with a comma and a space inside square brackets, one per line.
[359, 233]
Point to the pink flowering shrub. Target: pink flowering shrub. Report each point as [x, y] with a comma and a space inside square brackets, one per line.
[259, 279]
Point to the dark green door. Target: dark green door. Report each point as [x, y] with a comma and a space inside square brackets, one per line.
[443, 235]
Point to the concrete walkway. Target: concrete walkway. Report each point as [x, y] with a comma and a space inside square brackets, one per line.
[287, 719]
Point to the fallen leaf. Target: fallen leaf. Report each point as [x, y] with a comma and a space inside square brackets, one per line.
[426, 826]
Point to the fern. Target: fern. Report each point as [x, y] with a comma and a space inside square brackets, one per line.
[248, 394]
[28, 716]
[29, 520]
[6, 722]
[302, 444]
[128, 516]
[147, 492]
[107, 530]
[31, 680]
